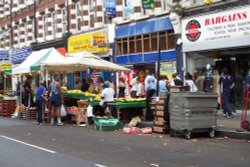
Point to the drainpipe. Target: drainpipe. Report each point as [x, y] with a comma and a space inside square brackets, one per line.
[35, 22]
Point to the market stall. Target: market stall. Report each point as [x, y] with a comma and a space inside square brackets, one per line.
[82, 62]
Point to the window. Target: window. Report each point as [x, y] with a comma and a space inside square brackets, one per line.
[119, 47]
[53, 18]
[19, 34]
[138, 44]
[198, 1]
[79, 23]
[44, 20]
[91, 5]
[163, 40]
[132, 45]
[92, 20]
[64, 20]
[146, 43]
[125, 46]
[78, 9]
[154, 41]
[33, 28]
[26, 32]
[170, 40]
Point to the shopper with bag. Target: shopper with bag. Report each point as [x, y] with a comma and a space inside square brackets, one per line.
[56, 99]
[40, 102]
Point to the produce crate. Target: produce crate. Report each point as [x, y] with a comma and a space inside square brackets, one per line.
[107, 124]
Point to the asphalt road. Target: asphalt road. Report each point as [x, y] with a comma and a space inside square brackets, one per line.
[25, 144]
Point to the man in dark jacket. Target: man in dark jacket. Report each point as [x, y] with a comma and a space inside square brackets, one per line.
[226, 85]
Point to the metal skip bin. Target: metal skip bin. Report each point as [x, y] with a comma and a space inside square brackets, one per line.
[193, 112]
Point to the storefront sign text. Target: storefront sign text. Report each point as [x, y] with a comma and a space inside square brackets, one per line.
[215, 31]
[94, 42]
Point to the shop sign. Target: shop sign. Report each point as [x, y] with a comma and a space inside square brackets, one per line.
[94, 42]
[18, 56]
[5, 67]
[216, 31]
[168, 68]
[4, 55]
[148, 4]
[110, 7]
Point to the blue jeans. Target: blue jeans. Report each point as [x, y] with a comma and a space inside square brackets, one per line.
[40, 110]
[227, 110]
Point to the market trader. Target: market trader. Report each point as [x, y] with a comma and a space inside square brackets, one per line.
[150, 86]
[56, 100]
[107, 95]
[226, 85]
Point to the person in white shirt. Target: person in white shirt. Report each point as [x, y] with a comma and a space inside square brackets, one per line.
[107, 96]
[189, 82]
[134, 87]
[140, 92]
[150, 86]
[107, 93]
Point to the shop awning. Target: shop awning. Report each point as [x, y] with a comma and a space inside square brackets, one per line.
[24, 67]
[82, 61]
[52, 56]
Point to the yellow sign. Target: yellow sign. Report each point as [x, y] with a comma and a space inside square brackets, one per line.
[5, 67]
[94, 42]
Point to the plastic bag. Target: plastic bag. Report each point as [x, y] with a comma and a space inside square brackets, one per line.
[63, 111]
[90, 111]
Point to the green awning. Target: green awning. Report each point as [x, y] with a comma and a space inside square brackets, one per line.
[37, 65]
[8, 72]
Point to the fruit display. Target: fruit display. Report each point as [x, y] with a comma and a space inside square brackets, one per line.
[64, 89]
[78, 94]
[134, 99]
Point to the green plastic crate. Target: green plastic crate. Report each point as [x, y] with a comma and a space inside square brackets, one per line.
[107, 124]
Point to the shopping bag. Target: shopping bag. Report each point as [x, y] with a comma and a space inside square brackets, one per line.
[63, 111]
[45, 99]
[90, 111]
[134, 121]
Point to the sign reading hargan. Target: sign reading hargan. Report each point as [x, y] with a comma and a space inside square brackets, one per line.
[215, 31]
[93, 42]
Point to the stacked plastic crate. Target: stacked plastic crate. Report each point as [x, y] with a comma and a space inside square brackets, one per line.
[159, 124]
[7, 107]
[29, 114]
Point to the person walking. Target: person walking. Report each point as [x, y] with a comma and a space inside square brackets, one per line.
[27, 91]
[198, 80]
[226, 85]
[56, 100]
[150, 86]
[121, 87]
[176, 81]
[189, 82]
[40, 94]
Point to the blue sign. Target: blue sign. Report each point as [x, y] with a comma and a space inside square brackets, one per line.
[18, 56]
[110, 7]
[4, 55]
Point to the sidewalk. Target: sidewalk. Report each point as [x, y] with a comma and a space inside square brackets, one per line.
[229, 127]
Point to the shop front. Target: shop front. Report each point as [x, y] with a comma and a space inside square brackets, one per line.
[136, 44]
[217, 40]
